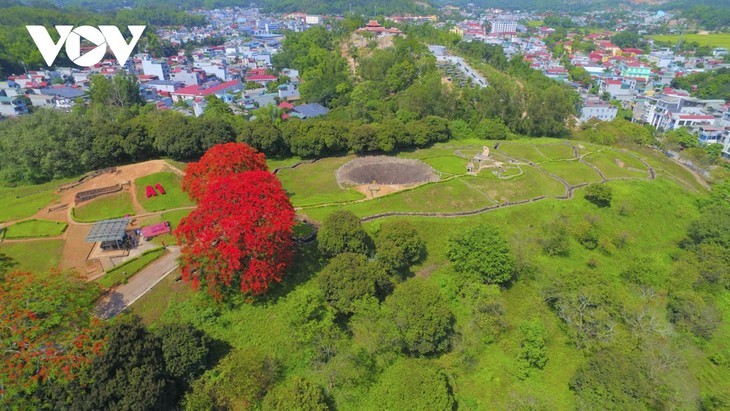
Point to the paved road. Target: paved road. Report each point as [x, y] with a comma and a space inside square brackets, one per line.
[125, 295]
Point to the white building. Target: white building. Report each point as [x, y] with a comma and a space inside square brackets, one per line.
[503, 26]
[158, 68]
[12, 106]
[599, 110]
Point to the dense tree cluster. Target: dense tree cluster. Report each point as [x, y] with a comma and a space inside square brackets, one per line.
[714, 84]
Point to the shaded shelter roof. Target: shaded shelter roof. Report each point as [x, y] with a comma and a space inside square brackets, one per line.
[108, 230]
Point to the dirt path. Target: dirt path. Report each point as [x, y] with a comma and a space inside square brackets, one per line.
[118, 299]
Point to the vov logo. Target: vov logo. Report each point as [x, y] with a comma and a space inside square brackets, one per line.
[102, 37]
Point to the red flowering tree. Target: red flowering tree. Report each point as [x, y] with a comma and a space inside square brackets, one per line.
[220, 160]
[45, 330]
[240, 235]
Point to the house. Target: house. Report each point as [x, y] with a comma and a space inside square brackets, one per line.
[12, 106]
[262, 79]
[163, 85]
[310, 110]
[41, 100]
[190, 92]
[635, 69]
[158, 68]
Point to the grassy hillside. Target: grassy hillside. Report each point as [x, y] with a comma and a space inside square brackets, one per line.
[645, 223]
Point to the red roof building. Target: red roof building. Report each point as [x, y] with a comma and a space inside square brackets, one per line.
[195, 90]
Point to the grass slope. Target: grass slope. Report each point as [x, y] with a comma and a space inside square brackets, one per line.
[315, 183]
[24, 201]
[26, 254]
[174, 197]
[35, 228]
[110, 206]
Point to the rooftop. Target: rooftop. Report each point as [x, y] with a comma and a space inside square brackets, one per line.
[108, 230]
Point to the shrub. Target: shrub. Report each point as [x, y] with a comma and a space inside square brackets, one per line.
[341, 232]
[599, 194]
[482, 251]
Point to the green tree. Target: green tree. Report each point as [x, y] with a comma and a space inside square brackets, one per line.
[689, 311]
[484, 252]
[185, 350]
[599, 194]
[422, 316]
[533, 350]
[626, 39]
[129, 374]
[412, 384]
[347, 278]
[296, 394]
[341, 232]
[122, 90]
[614, 379]
[240, 381]
[398, 245]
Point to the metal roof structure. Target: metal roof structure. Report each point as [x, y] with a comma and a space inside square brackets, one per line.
[311, 110]
[108, 230]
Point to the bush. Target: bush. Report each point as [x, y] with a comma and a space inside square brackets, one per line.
[555, 238]
[482, 251]
[185, 349]
[347, 278]
[423, 317]
[341, 232]
[398, 245]
[412, 384]
[599, 194]
[296, 395]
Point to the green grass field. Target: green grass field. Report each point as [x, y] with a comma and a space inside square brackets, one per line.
[125, 271]
[315, 183]
[712, 40]
[174, 197]
[449, 164]
[26, 254]
[35, 228]
[102, 208]
[573, 172]
[24, 201]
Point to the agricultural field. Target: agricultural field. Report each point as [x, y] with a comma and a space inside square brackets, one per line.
[174, 197]
[711, 40]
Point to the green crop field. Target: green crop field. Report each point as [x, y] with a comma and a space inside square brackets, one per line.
[26, 254]
[35, 228]
[105, 207]
[174, 197]
[712, 40]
